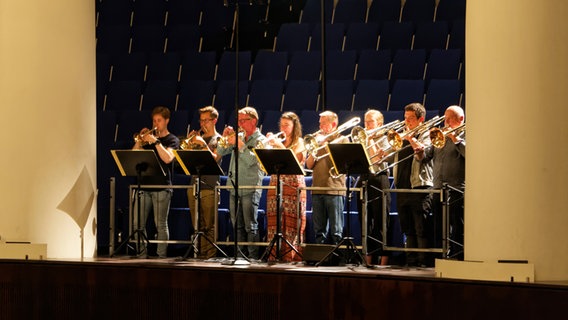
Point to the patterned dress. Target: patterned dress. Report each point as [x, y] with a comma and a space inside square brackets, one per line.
[293, 222]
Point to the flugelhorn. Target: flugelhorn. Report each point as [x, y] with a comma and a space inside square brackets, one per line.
[223, 142]
[138, 137]
[438, 136]
[265, 143]
[186, 144]
[312, 143]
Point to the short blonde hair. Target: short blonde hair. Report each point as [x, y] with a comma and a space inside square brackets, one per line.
[249, 111]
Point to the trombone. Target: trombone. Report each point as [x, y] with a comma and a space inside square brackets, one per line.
[438, 136]
[361, 135]
[313, 145]
[265, 143]
[395, 139]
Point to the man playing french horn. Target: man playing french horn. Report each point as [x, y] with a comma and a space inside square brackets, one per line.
[249, 174]
[205, 138]
[327, 205]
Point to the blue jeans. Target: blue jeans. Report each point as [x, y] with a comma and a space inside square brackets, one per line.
[327, 210]
[160, 202]
[247, 224]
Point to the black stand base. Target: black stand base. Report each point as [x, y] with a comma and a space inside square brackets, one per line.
[350, 251]
[194, 243]
[141, 235]
[278, 255]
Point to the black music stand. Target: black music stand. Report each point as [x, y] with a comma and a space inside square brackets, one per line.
[348, 158]
[198, 163]
[137, 163]
[278, 162]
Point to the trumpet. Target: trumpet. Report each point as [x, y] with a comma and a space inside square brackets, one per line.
[395, 139]
[186, 144]
[438, 136]
[138, 137]
[223, 142]
[313, 145]
[265, 143]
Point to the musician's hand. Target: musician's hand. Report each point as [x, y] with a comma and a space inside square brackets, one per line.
[228, 130]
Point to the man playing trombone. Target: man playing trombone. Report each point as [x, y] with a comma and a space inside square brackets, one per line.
[411, 173]
[447, 152]
[327, 205]
[375, 142]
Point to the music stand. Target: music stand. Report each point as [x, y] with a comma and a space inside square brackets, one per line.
[198, 163]
[348, 158]
[278, 162]
[137, 163]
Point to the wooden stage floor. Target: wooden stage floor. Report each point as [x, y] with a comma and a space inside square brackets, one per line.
[126, 288]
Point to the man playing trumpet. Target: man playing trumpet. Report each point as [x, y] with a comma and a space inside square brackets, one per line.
[163, 143]
[207, 140]
[249, 174]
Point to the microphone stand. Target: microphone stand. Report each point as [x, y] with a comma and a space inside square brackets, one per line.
[235, 179]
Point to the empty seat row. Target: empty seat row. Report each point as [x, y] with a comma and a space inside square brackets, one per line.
[346, 11]
[290, 37]
[281, 95]
[340, 65]
[129, 12]
[163, 12]
[359, 36]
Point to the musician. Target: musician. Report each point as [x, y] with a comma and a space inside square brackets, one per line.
[449, 169]
[250, 174]
[291, 127]
[411, 173]
[327, 205]
[205, 139]
[375, 183]
[163, 143]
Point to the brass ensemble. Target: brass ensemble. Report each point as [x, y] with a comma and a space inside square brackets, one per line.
[139, 137]
[314, 144]
[265, 143]
[438, 136]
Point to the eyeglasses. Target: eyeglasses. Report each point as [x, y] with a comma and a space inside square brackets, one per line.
[245, 119]
[205, 120]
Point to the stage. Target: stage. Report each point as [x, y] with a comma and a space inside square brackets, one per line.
[127, 288]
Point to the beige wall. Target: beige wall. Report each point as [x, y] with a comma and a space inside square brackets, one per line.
[517, 170]
[47, 103]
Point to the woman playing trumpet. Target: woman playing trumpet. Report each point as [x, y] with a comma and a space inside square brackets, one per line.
[291, 128]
